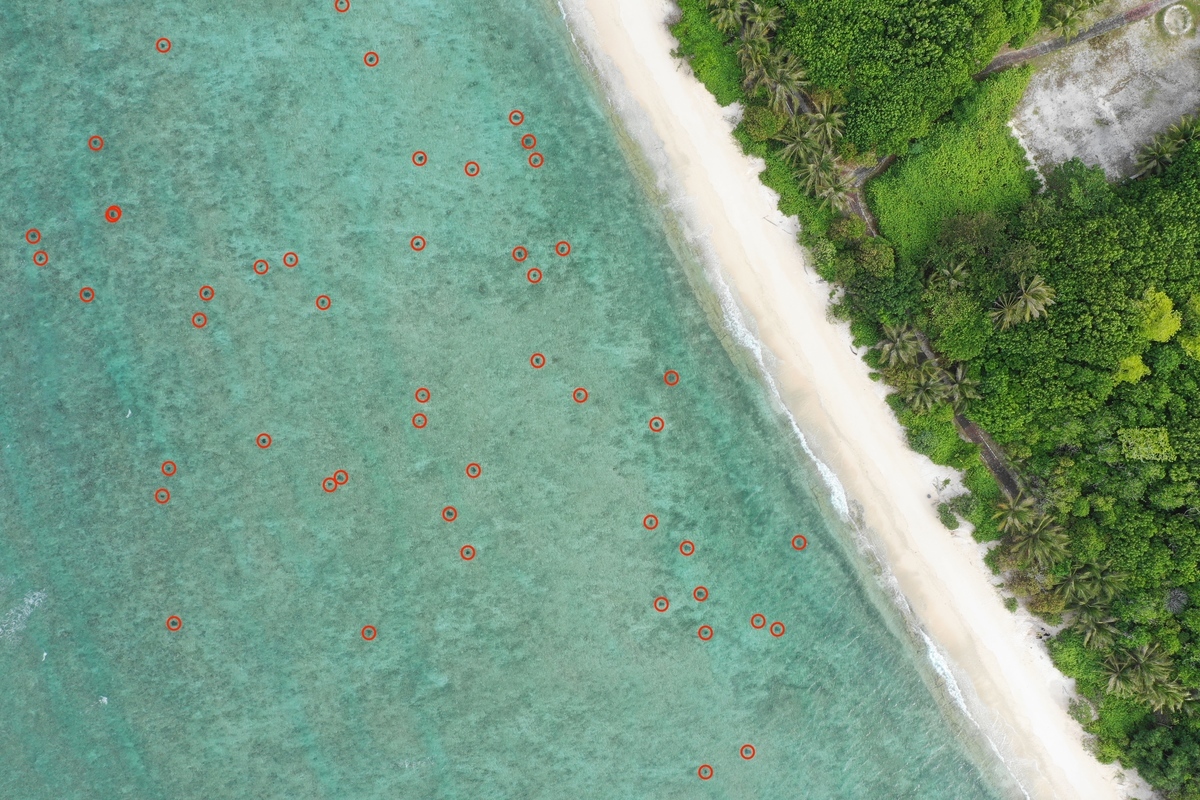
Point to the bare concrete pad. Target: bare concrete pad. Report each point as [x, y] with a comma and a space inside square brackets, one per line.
[1102, 100]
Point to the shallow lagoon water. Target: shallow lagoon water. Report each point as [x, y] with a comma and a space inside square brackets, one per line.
[538, 669]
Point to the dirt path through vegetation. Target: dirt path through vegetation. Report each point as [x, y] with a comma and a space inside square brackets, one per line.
[1006, 60]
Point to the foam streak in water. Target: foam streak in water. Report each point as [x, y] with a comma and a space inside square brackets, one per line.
[14, 621]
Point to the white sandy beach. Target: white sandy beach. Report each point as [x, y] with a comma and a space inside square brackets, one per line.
[1012, 688]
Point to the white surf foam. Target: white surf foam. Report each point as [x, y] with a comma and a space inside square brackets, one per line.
[14, 621]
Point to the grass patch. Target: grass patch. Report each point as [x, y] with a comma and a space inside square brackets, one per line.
[970, 163]
[713, 60]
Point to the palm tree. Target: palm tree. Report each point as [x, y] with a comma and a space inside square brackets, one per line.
[1186, 130]
[1041, 543]
[826, 122]
[728, 15]
[953, 274]
[1144, 673]
[1015, 513]
[818, 174]
[837, 193]
[1106, 583]
[1006, 311]
[1034, 297]
[960, 389]
[1078, 587]
[785, 80]
[927, 390]
[798, 144]
[900, 345]
[1097, 625]
[1065, 19]
[752, 55]
[765, 17]
[1157, 156]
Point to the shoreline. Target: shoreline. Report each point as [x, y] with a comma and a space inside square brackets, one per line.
[1012, 691]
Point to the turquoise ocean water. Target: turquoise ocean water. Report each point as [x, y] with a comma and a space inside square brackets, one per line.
[538, 669]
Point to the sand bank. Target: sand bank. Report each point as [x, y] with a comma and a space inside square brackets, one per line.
[1011, 687]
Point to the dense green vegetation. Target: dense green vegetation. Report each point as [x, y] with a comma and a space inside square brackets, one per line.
[712, 56]
[969, 163]
[1064, 325]
[1069, 331]
[899, 65]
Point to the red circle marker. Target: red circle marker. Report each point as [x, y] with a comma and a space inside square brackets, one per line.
[341, 477]
[580, 395]
[657, 424]
[112, 213]
[649, 522]
[661, 604]
[162, 496]
[471, 168]
[368, 632]
[799, 542]
[290, 260]
[671, 377]
[777, 629]
[466, 552]
[323, 302]
[96, 143]
[705, 772]
[519, 253]
[534, 275]
[563, 248]
[417, 243]
[263, 440]
[207, 293]
[705, 633]
[33, 236]
[419, 158]
[529, 141]
[686, 547]
[199, 320]
[516, 117]
[87, 294]
[168, 468]
[700, 593]
[419, 420]
[41, 258]
[474, 470]
[371, 59]
[163, 45]
[342, 6]
[261, 266]
[329, 484]
[537, 361]
[747, 751]
[758, 621]
[422, 395]
[536, 160]
[449, 513]
[174, 623]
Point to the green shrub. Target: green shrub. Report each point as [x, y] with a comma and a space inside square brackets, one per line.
[847, 231]
[713, 59]
[934, 435]
[1011, 604]
[970, 163]
[876, 257]
[947, 516]
[762, 123]
[1074, 660]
